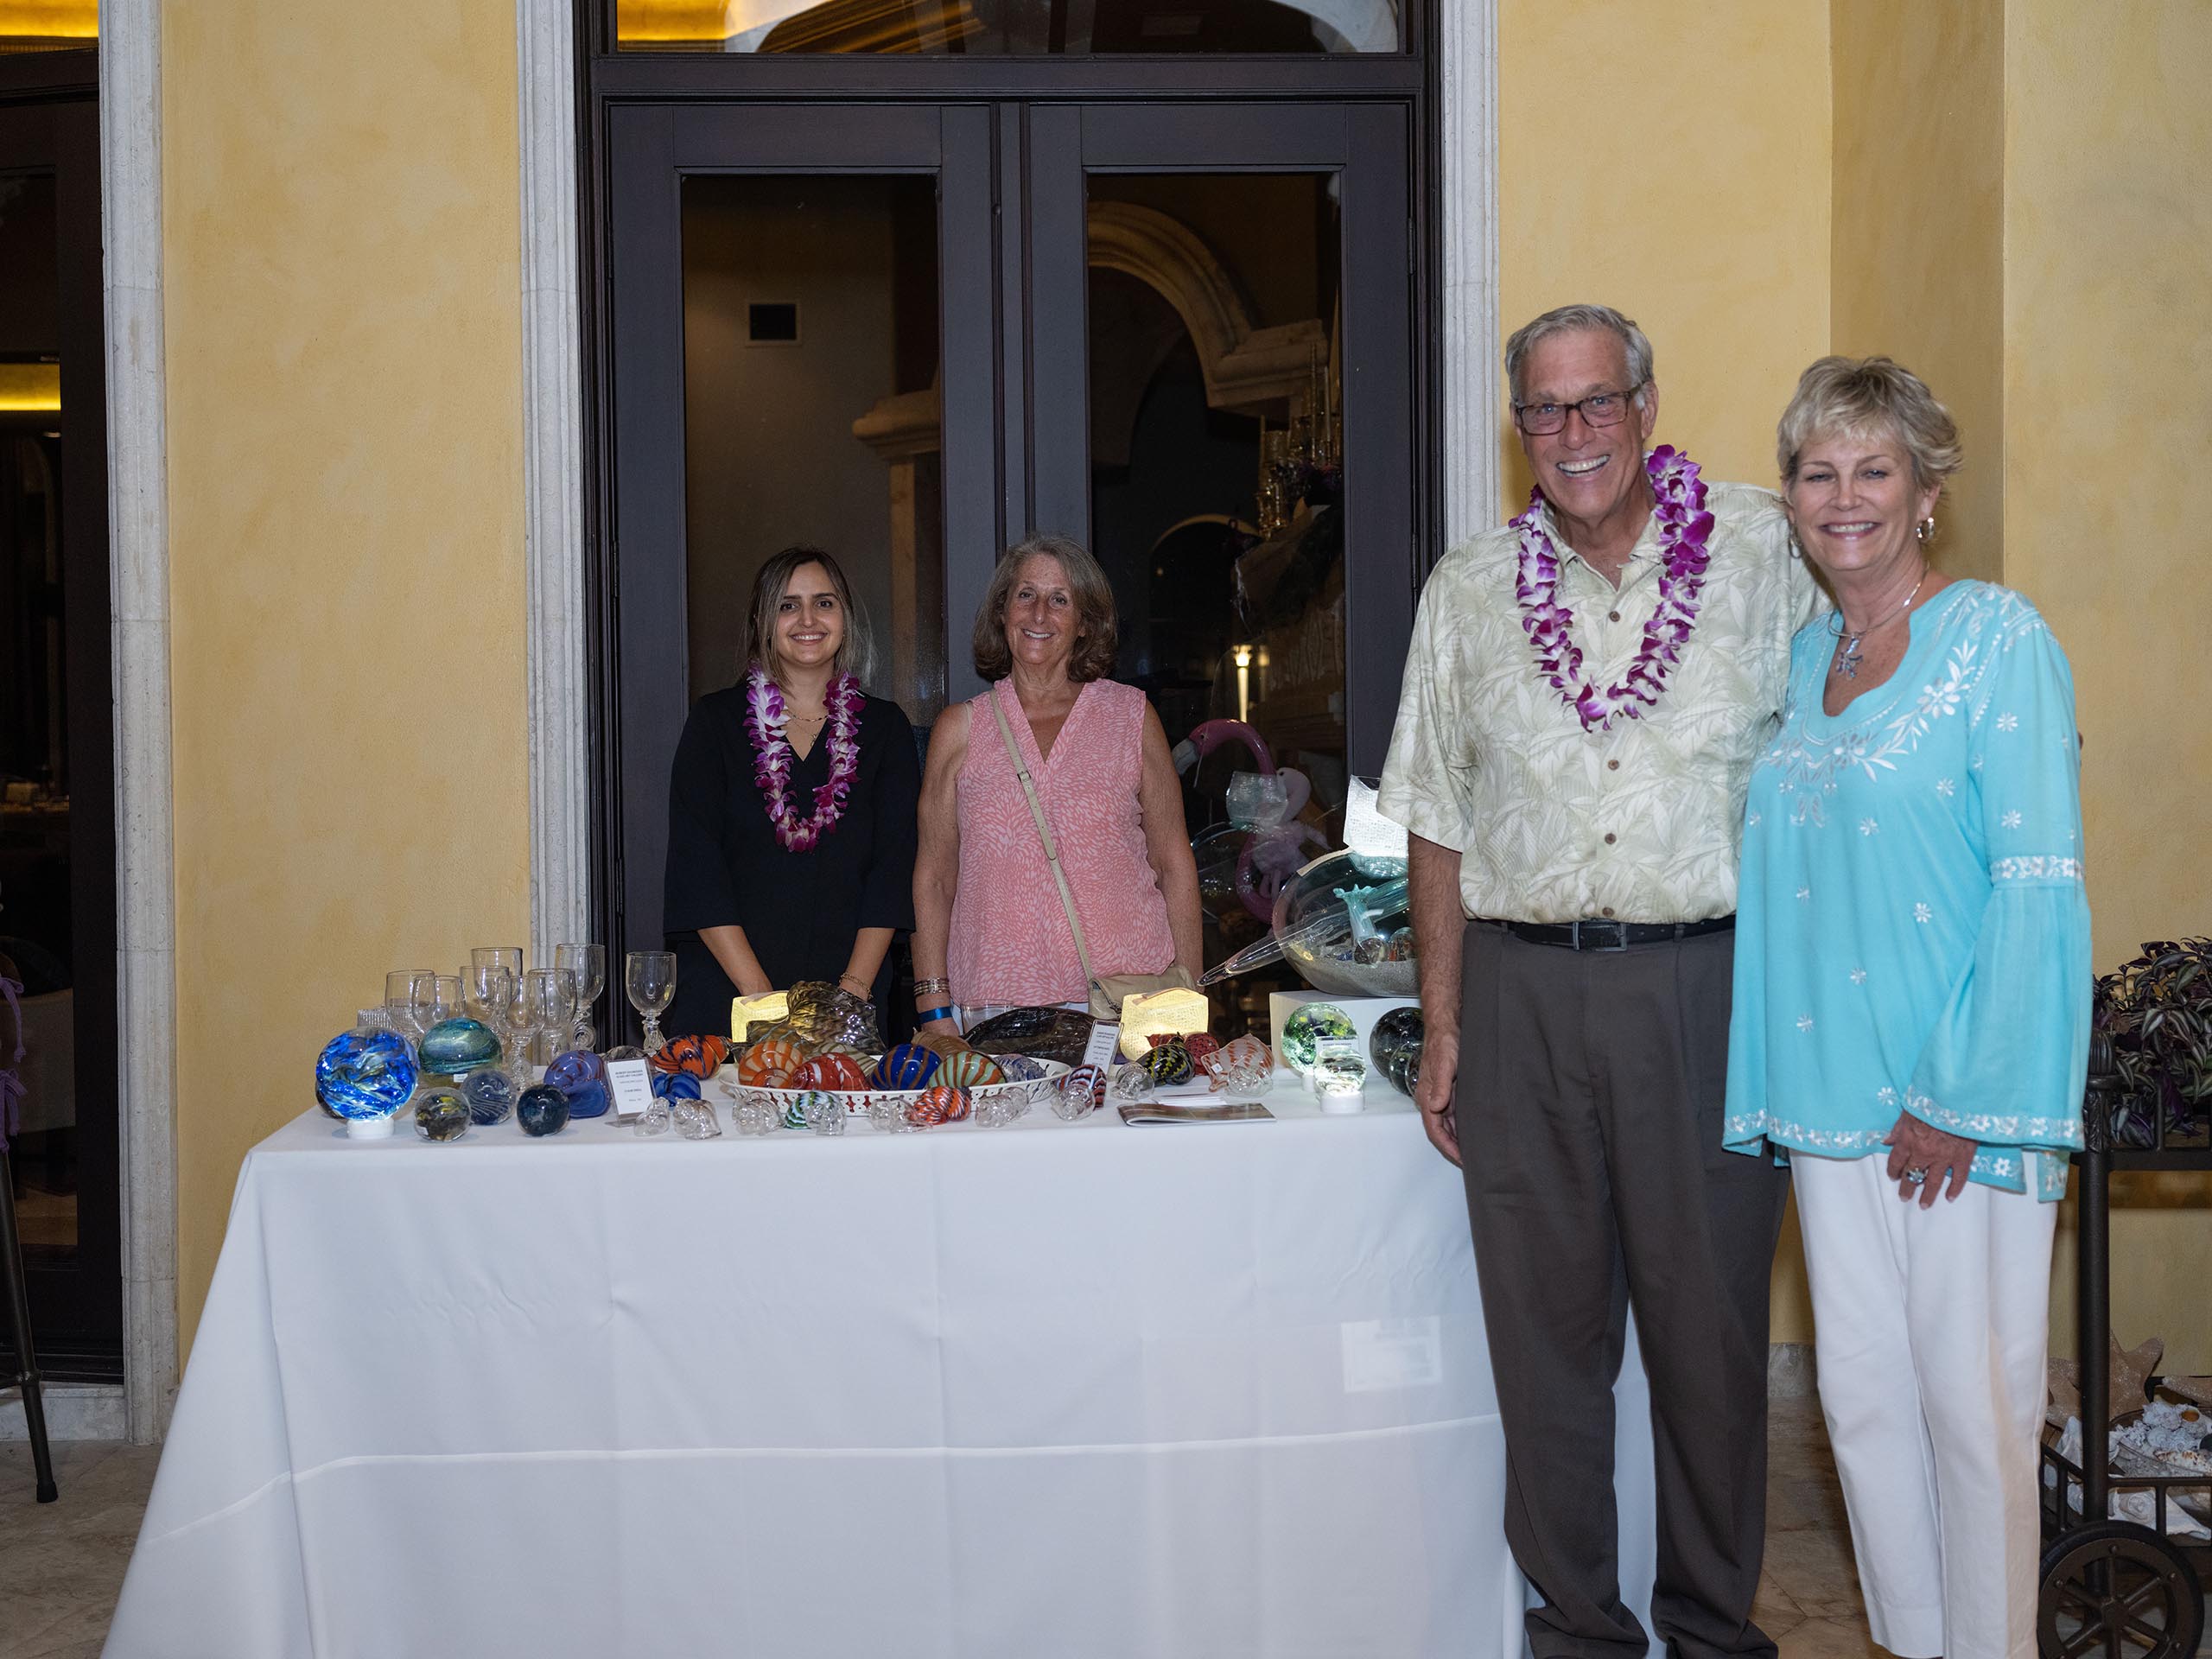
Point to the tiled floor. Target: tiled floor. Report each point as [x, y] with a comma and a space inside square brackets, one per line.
[62, 1563]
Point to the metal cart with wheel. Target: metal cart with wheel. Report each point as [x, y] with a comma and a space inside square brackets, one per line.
[2114, 1588]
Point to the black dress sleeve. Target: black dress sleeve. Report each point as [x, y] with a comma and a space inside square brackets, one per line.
[696, 890]
[888, 891]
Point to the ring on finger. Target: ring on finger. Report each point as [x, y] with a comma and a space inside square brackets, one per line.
[1916, 1174]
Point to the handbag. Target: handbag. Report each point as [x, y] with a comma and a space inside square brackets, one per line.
[1106, 995]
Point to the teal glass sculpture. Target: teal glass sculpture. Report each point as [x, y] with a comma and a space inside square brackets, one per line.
[1303, 1033]
[365, 1076]
[453, 1046]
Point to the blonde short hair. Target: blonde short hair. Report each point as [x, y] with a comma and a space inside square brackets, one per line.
[1096, 630]
[1870, 397]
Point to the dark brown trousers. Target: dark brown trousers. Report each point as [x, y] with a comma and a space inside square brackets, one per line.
[1589, 1104]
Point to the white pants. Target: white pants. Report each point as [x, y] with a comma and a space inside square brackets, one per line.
[1928, 1333]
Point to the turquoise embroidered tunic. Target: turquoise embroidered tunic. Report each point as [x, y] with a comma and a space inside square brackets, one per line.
[1913, 931]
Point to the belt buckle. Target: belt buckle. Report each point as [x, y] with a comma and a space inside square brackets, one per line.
[1619, 931]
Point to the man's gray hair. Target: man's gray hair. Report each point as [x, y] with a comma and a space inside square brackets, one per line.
[1870, 397]
[1571, 319]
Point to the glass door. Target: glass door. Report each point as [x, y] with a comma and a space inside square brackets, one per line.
[57, 789]
[803, 329]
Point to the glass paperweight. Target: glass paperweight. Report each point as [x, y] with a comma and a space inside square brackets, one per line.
[1309, 1025]
[1338, 1076]
[365, 1076]
[543, 1110]
[441, 1114]
[461, 1045]
[582, 1076]
[1394, 1046]
[491, 1094]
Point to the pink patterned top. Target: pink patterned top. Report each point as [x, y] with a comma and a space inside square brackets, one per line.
[1010, 942]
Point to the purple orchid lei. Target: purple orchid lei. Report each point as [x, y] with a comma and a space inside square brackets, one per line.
[766, 718]
[1685, 528]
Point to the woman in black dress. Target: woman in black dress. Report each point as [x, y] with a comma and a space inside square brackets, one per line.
[790, 812]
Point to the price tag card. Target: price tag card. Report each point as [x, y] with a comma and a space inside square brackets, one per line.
[631, 1083]
[1099, 1051]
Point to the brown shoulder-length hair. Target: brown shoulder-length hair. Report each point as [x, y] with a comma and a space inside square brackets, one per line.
[855, 654]
[1096, 632]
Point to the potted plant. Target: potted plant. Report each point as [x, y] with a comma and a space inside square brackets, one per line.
[2156, 1013]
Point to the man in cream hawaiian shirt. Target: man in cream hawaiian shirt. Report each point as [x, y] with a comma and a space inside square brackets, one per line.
[1586, 689]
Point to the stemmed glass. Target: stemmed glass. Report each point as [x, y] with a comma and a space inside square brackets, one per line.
[407, 994]
[445, 1001]
[548, 1001]
[586, 966]
[648, 978]
[494, 983]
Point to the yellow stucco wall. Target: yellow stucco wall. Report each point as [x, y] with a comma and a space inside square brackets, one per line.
[1917, 252]
[2107, 420]
[344, 360]
[1681, 174]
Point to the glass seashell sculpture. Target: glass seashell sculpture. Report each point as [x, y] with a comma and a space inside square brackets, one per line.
[582, 1076]
[365, 1076]
[455, 1046]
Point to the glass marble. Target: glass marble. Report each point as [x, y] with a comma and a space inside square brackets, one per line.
[365, 1076]
[543, 1110]
[1394, 1046]
[453, 1046]
[442, 1115]
[490, 1091]
[1308, 1024]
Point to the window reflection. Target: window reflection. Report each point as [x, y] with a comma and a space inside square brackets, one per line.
[1008, 27]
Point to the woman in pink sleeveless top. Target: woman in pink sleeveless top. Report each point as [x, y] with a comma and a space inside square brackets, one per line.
[989, 928]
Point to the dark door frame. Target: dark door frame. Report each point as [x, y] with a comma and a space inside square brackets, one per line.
[1016, 90]
[50, 122]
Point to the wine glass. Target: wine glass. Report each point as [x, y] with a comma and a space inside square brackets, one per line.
[445, 1000]
[586, 965]
[494, 981]
[649, 977]
[406, 996]
[548, 1001]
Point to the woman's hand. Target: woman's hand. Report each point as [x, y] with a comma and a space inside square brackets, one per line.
[1941, 1159]
[945, 1027]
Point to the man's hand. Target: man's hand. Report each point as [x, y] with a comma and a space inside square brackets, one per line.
[1940, 1159]
[1439, 1076]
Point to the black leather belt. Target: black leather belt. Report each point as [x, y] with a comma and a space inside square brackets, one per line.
[1596, 935]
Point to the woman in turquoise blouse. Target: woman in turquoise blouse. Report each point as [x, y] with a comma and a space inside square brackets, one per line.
[1911, 1014]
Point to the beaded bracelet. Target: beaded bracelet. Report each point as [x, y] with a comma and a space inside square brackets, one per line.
[929, 1014]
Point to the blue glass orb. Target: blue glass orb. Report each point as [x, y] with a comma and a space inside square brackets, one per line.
[543, 1110]
[442, 1115]
[675, 1086]
[452, 1046]
[1308, 1024]
[490, 1092]
[364, 1076]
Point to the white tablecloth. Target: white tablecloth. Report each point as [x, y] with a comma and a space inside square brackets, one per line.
[1044, 1393]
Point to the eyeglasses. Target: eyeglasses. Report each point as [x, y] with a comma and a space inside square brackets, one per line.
[1599, 408]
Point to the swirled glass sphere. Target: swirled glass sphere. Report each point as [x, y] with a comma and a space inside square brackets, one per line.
[365, 1076]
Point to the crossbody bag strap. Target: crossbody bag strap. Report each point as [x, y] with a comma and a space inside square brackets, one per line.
[1045, 835]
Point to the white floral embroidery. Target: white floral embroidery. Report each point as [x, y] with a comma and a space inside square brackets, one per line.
[1974, 764]
[2037, 866]
[2008, 722]
[1946, 788]
[1922, 913]
[1753, 820]
[1804, 893]
[1804, 1022]
[1868, 826]
[1858, 975]
[2007, 1129]
[1888, 1097]
[2011, 820]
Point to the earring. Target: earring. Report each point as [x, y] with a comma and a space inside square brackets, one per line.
[1925, 530]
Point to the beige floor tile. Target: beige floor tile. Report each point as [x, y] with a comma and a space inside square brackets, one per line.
[1830, 1638]
[1814, 1569]
[1773, 1610]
